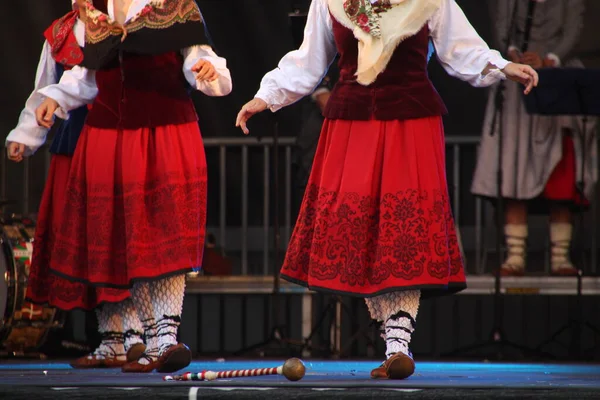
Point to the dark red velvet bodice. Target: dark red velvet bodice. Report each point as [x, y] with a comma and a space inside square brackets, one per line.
[142, 91]
[402, 91]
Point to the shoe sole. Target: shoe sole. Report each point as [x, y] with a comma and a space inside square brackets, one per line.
[97, 366]
[401, 368]
[379, 373]
[177, 360]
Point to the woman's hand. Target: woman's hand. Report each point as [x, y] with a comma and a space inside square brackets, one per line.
[523, 74]
[252, 107]
[16, 151]
[205, 71]
[44, 114]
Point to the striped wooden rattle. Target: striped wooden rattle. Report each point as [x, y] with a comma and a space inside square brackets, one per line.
[293, 369]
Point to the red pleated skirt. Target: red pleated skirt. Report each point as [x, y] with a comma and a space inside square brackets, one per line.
[376, 216]
[135, 206]
[44, 287]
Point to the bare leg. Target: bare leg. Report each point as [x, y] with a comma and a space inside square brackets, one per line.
[560, 213]
[516, 212]
[515, 231]
[561, 231]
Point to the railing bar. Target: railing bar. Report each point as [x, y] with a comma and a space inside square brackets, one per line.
[291, 141]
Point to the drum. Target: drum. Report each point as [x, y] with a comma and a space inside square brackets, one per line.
[24, 326]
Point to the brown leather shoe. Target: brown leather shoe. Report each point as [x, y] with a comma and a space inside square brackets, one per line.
[92, 361]
[379, 372]
[136, 367]
[135, 352]
[176, 357]
[399, 366]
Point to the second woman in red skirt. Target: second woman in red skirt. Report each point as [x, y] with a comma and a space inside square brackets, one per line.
[136, 192]
[376, 221]
[118, 323]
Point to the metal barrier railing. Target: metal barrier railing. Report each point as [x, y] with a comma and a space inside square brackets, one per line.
[222, 144]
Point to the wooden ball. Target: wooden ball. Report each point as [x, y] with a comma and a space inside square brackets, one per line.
[294, 369]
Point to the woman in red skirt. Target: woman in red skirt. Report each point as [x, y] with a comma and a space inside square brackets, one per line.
[118, 323]
[375, 220]
[135, 212]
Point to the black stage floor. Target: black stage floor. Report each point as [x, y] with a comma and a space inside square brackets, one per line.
[324, 379]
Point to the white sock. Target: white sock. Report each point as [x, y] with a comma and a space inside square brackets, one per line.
[132, 325]
[167, 302]
[516, 242]
[140, 294]
[560, 237]
[110, 326]
[399, 313]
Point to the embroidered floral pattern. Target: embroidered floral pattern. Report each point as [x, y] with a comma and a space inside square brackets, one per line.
[157, 14]
[349, 240]
[365, 14]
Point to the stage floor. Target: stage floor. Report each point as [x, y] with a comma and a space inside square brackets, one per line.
[324, 379]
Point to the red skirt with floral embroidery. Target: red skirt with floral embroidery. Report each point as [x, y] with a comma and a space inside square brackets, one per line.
[376, 216]
[135, 206]
[44, 287]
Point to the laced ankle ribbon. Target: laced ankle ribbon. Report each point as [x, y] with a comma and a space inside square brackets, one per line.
[110, 339]
[167, 327]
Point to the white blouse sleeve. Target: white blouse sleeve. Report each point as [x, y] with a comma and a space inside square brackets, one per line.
[221, 86]
[27, 131]
[300, 71]
[76, 88]
[460, 50]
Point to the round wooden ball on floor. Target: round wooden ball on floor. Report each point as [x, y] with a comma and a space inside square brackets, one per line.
[293, 369]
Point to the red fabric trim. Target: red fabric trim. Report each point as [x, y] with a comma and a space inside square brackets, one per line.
[60, 36]
[561, 185]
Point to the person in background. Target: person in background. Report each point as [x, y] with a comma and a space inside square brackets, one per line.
[136, 210]
[541, 155]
